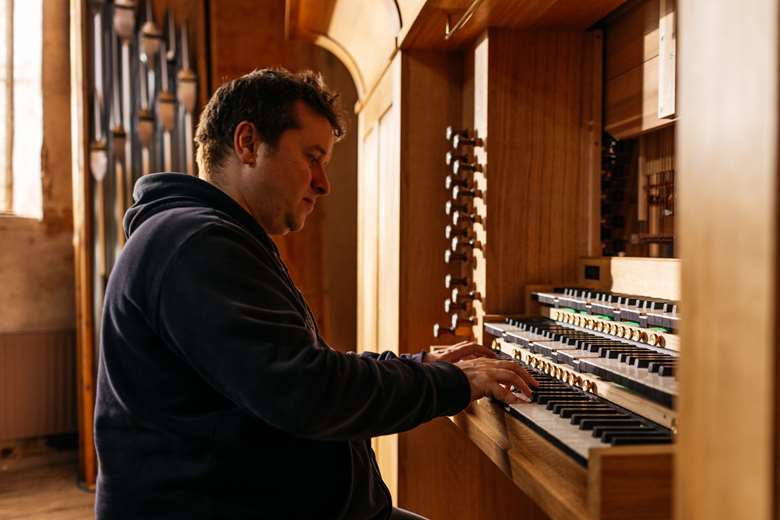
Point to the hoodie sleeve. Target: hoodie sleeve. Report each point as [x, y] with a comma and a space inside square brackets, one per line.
[388, 354]
[232, 317]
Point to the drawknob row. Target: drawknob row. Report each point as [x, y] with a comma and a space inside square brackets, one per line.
[459, 232]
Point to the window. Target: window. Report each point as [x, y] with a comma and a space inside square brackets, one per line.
[21, 107]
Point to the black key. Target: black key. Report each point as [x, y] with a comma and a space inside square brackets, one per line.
[608, 435]
[598, 431]
[576, 403]
[655, 366]
[644, 439]
[577, 418]
[544, 399]
[666, 371]
[629, 357]
[567, 411]
[587, 423]
[645, 362]
[552, 402]
[646, 358]
[553, 391]
[614, 353]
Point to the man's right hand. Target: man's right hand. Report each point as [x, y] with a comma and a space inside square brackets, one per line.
[494, 378]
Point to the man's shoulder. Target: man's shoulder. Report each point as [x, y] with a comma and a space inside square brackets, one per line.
[190, 217]
[174, 227]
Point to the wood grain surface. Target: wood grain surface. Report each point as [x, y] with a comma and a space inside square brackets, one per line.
[727, 462]
[536, 120]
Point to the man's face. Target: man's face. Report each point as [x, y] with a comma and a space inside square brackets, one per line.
[287, 180]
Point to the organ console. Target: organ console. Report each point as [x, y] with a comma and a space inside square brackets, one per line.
[574, 227]
[606, 360]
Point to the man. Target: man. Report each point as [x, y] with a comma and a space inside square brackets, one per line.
[217, 398]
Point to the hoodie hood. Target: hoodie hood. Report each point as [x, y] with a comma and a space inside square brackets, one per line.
[160, 192]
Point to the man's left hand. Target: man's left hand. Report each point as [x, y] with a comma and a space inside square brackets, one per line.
[459, 352]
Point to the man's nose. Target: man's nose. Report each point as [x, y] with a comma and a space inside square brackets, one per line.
[320, 182]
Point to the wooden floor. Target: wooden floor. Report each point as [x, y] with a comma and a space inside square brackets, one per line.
[43, 487]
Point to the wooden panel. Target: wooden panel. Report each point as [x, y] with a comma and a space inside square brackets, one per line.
[620, 482]
[728, 240]
[631, 482]
[389, 255]
[631, 38]
[236, 45]
[427, 30]
[454, 479]
[430, 101]
[651, 277]
[589, 241]
[37, 384]
[554, 481]
[378, 240]
[368, 221]
[632, 102]
[632, 63]
[483, 423]
[430, 480]
[389, 229]
[535, 166]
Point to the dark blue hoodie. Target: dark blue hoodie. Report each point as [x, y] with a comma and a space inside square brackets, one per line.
[216, 396]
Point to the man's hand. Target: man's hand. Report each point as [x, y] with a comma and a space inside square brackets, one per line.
[459, 352]
[494, 378]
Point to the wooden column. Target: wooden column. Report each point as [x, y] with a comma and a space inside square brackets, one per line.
[82, 237]
[728, 238]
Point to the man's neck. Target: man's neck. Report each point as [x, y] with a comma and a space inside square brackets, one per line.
[225, 184]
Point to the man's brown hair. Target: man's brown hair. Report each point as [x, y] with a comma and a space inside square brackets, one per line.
[266, 98]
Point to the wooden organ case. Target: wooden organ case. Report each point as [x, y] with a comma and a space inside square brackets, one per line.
[544, 197]
[558, 104]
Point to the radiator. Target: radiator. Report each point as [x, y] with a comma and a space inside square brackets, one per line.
[37, 383]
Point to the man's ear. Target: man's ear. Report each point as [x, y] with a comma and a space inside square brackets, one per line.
[245, 141]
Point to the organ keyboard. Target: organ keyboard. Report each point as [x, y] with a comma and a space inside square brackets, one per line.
[577, 421]
[647, 370]
[603, 415]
